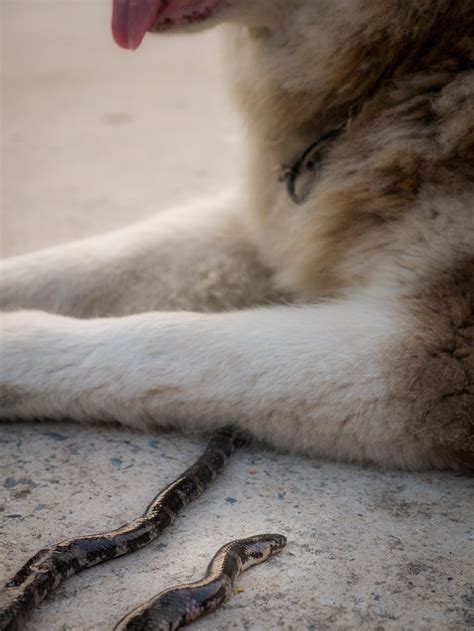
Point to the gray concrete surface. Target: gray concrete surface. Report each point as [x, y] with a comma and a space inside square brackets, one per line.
[94, 138]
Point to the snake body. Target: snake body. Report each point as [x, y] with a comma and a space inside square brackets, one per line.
[177, 607]
[50, 567]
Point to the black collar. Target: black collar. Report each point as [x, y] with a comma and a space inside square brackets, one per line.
[308, 163]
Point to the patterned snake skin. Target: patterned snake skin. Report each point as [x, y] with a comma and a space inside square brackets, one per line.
[184, 604]
[50, 567]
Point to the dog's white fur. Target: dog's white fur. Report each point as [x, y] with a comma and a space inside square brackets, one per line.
[248, 309]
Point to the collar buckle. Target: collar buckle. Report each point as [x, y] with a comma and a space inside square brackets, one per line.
[300, 176]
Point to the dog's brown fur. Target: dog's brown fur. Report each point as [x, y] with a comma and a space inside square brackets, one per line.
[434, 365]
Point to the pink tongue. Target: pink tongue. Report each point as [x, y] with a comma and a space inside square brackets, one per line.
[131, 20]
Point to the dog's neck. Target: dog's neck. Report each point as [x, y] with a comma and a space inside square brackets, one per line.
[283, 108]
[293, 86]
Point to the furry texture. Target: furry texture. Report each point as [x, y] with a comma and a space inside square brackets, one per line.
[374, 360]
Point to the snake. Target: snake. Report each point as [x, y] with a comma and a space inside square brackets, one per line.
[50, 567]
[182, 605]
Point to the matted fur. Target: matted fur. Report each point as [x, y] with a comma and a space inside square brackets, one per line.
[374, 360]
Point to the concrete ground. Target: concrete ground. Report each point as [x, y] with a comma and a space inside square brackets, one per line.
[94, 138]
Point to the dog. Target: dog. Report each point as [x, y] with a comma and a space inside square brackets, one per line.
[327, 306]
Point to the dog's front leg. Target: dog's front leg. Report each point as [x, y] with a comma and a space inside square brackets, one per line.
[196, 258]
[311, 379]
